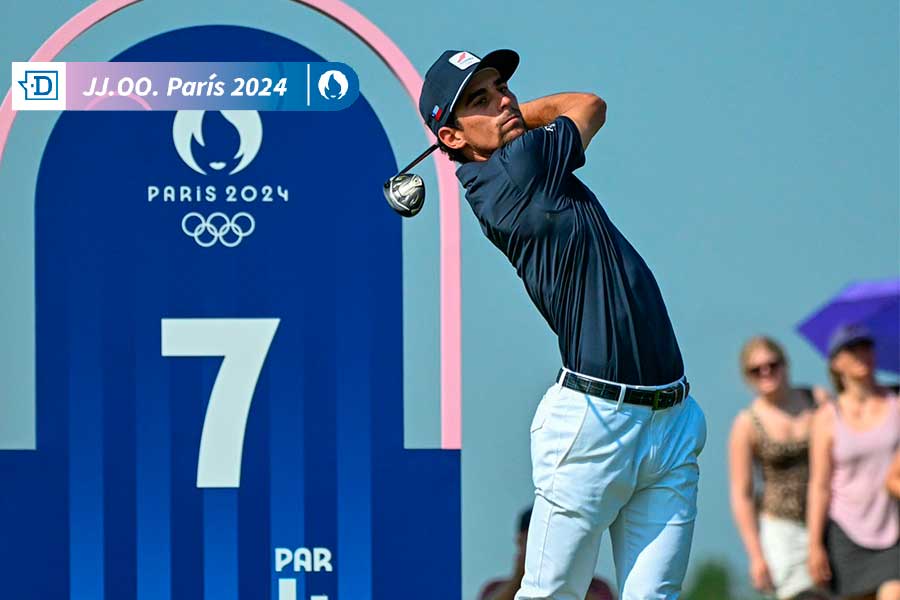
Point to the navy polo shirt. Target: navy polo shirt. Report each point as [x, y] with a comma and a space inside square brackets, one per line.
[589, 283]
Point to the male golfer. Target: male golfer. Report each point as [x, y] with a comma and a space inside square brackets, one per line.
[614, 442]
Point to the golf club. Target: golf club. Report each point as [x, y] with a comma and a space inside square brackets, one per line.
[405, 192]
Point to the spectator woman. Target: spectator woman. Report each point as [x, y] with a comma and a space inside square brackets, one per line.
[772, 434]
[853, 521]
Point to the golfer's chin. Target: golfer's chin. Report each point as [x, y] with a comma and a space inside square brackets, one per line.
[512, 130]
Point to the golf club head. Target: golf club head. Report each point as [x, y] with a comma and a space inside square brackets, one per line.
[405, 193]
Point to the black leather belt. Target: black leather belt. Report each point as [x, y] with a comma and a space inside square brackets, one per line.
[655, 399]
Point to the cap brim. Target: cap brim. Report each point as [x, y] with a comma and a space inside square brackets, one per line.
[504, 61]
[849, 342]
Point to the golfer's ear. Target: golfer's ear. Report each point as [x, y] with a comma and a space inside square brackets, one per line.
[450, 137]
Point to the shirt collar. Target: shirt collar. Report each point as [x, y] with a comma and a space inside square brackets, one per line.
[468, 172]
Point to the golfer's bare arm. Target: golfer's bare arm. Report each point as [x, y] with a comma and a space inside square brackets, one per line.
[587, 111]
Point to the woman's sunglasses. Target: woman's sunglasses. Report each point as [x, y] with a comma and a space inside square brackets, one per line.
[768, 367]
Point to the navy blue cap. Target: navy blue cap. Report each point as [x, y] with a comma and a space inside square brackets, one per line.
[847, 335]
[445, 80]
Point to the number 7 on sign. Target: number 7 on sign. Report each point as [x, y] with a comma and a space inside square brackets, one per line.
[243, 344]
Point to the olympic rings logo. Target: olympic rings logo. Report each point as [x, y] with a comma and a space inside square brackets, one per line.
[218, 227]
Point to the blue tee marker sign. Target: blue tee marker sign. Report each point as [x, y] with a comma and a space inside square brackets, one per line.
[219, 361]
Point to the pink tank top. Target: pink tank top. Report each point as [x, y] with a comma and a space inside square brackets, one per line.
[860, 503]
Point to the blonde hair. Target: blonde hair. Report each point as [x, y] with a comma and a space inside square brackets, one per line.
[761, 341]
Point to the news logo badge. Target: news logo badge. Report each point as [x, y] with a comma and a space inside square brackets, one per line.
[333, 85]
[39, 86]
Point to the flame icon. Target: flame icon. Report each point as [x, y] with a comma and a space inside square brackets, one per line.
[188, 135]
[333, 85]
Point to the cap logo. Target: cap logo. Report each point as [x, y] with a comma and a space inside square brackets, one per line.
[463, 60]
[436, 112]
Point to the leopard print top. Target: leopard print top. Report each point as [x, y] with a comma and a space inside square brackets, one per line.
[785, 472]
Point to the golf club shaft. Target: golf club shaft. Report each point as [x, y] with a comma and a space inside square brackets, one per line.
[418, 159]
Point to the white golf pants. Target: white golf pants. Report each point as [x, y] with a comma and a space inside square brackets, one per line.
[598, 465]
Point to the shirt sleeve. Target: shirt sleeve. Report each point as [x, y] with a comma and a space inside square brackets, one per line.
[542, 159]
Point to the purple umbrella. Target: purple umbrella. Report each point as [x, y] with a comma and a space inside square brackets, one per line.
[873, 304]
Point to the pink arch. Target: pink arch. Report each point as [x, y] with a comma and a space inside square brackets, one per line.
[448, 190]
[133, 97]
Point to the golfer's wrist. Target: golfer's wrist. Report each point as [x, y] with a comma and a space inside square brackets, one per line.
[539, 112]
